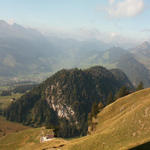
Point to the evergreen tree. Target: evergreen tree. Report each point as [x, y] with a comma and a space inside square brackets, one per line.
[94, 110]
[77, 91]
[140, 86]
[89, 119]
[100, 106]
[122, 92]
[110, 98]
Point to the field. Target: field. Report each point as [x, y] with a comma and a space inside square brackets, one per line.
[5, 101]
[16, 136]
[122, 125]
[29, 139]
[7, 127]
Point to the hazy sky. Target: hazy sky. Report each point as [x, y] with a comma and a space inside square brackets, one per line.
[117, 17]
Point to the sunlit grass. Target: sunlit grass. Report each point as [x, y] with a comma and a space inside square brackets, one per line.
[122, 124]
[5, 101]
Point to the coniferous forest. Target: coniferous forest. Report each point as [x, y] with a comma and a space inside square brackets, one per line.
[63, 101]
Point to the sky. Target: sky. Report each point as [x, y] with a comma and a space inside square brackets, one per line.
[114, 18]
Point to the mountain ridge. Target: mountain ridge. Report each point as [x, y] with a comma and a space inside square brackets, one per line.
[142, 53]
[64, 100]
[27, 54]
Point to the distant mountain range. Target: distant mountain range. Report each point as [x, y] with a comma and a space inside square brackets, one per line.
[27, 54]
[118, 58]
[24, 51]
[127, 62]
[21, 51]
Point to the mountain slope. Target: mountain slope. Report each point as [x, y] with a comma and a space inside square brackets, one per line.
[29, 139]
[121, 76]
[142, 54]
[24, 51]
[135, 71]
[124, 60]
[121, 125]
[117, 57]
[64, 100]
[27, 54]
[7, 127]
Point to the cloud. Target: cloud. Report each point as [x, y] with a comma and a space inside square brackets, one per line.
[146, 30]
[11, 21]
[125, 8]
[87, 34]
[111, 1]
[113, 34]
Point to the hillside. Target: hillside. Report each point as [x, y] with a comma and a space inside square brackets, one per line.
[121, 125]
[64, 100]
[29, 139]
[7, 127]
[124, 60]
[27, 54]
[22, 53]
[136, 72]
[142, 53]
[5, 101]
[117, 57]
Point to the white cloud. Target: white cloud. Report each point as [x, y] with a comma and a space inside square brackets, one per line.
[113, 34]
[87, 34]
[11, 21]
[111, 1]
[126, 8]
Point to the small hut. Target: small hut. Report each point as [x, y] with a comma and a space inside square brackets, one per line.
[46, 138]
[46, 135]
[12, 99]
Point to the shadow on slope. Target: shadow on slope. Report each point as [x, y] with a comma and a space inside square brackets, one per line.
[145, 146]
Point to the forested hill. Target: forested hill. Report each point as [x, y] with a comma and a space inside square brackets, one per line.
[64, 100]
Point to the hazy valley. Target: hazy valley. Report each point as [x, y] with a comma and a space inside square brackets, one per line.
[74, 75]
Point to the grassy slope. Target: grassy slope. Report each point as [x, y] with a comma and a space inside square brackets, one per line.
[28, 139]
[17, 140]
[121, 125]
[7, 127]
[6, 100]
[14, 136]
